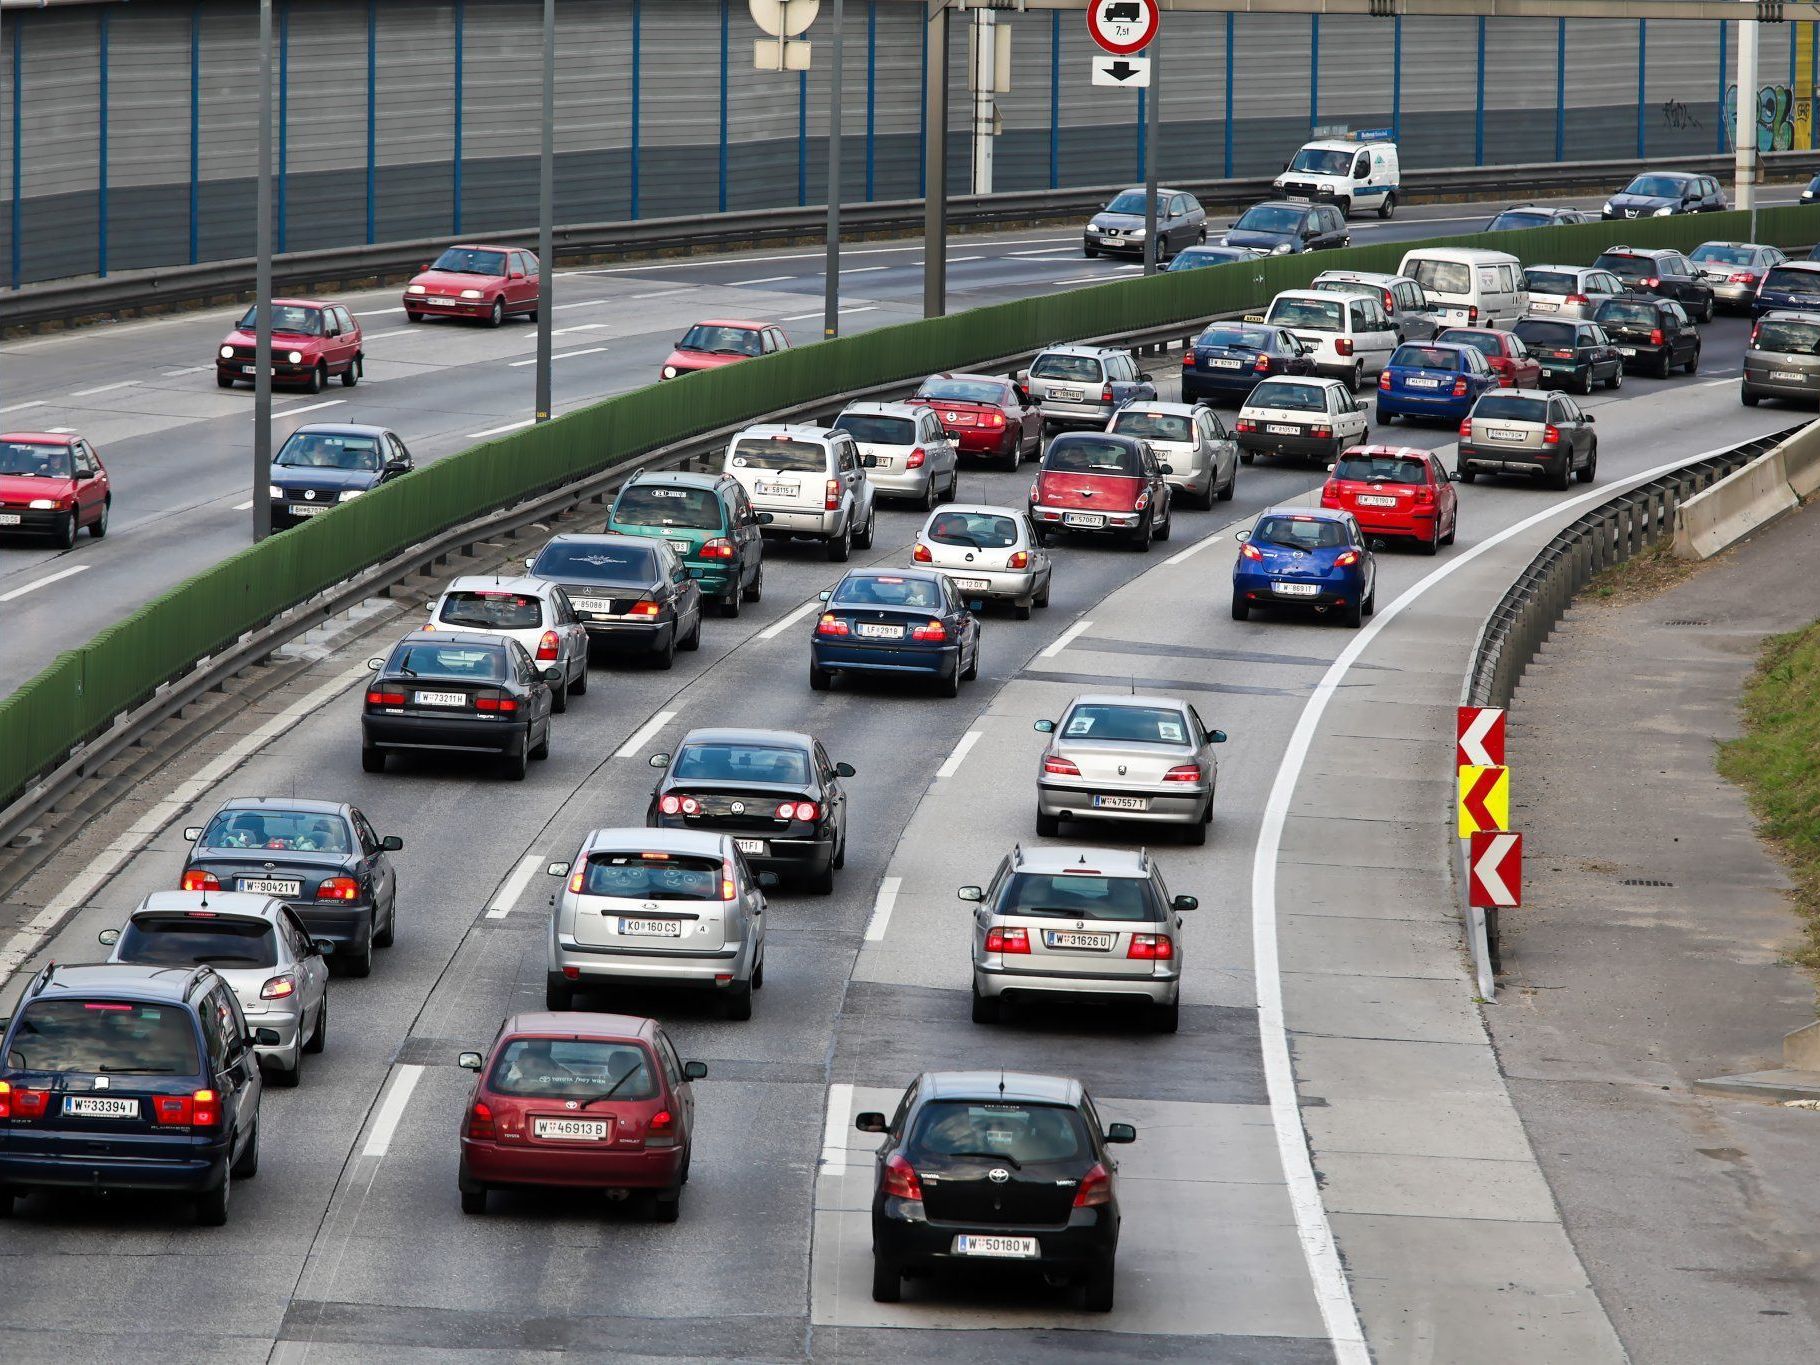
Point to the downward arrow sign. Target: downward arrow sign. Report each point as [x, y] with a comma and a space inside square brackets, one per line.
[1121, 70]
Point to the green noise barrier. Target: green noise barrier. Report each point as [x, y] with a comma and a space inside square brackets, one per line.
[81, 691]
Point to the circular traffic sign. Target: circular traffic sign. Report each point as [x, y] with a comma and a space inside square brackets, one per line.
[1122, 27]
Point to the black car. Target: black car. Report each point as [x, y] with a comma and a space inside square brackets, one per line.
[1230, 359]
[775, 791]
[1280, 227]
[633, 593]
[1199, 257]
[985, 1166]
[322, 858]
[1650, 333]
[1119, 227]
[323, 463]
[1660, 194]
[445, 691]
[123, 1077]
[1664, 273]
[1573, 355]
[1536, 215]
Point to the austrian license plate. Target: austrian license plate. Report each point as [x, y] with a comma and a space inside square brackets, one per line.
[775, 490]
[753, 846]
[1011, 1248]
[1627, 350]
[440, 698]
[651, 928]
[1367, 500]
[1773, 374]
[307, 509]
[877, 462]
[1500, 434]
[973, 584]
[1415, 382]
[101, 1106]
[440, 303]
[1083, 519]
[570, 1130]
[1277, 430]
[270, 886]
[1226, 364]
[10, 518]
[870, 630]
[1295, 589]
[1073, 938]
[1122, 802]
[598, 605]
[1060, 391]
[1542, 306]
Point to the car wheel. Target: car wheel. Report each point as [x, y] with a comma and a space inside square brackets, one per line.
[542, 749]
[1048, 826]
[949, 683]
[1370, 606]
[820, 680]
[1241, 609]
[498, 315]
[1141, 538]
[1748, 398]
[1693, 361]
[371, 760]
[985, 1008]
[1090, 253]
[1664, 365]
[1357, 381]
[758, 984]
[1706, 314]
[1168, 526]
[223, 381]
[66, 531]
[729, 605]
[319, 1036]
[518, 763]
[1591, 471]
[693, 640]
[98, 528]
[1562, 476]
[578, 685]
[474, 1201]
[755, 590]
[1168, 1018]
[318, 380]
[357, 967]
[1617, 378]
[383, 938]
[1248, 457]
[929, 498]
[558, 998]
[840, 549]
[887, 1279]
[973, 669]
[246, 1165]
[1433, 544]
[666, 1207]
[1096, 1289]
[864, 538]
[954, 486]
[559, 697]
[6, 1203]
[665, 658]
[1353, 616]
[351, 376]
[1452, 530]
[409, 316]
[1042, 598]
[738, 1001]
[1021, 610]
[1583, 382]
[287, 1077]
[212, 1205]
[1468, 475]
[820, 883]
[1014, 457]
[1388, 207]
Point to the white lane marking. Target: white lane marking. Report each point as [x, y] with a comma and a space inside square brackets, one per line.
[391, 1110]
[500, 431]
[246, 506]
[868, 269]
[376, 312]
[803, 317]
[1193, 549]
[1049, 251]
[1066, 638]
[956, 260]
[766, 279]
[310, 407]
[787, 256]
[105, 388]
[21, 407]
[579, 327]
[560, 355]
[193, 369]
[881, 910]
[643, 734]
[65, 431]
[952, 764]
[661, 293]
[374, 336]
[777, 628]
[513, 887]
[580, 303]
[44, 582]
[1082, 279]
[834, 1129]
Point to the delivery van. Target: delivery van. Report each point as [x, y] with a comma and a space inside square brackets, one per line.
[1353, 170]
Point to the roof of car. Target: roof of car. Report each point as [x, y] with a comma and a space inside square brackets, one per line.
[219, 902]
[482, 246]
[1067, 438]
[737, 735]
[1161, 405]
[484, 583]
[1581, 268]
[1381, 452]
[119, 980]
[886, 571]
[1315, 513]
[803, 430]
[967, 374]
[578, 1024]
[1791, 315]
[1128, 699]
[1456, 346]
[49, 438]
[1080, 348]
[287, 803]
[701, 841]
[301, 303]
[982, 508]
[869, 409]
[1160, 189]
[676, 478]
[1326, 381]
[1519, 393]
[1377, 277]
[605, 537]
[341, 429]
[1106, 862]
[478, 639]
[1298, 204]
[734, 322]
[993, 1085]
[1641, 251]
[1798, 265]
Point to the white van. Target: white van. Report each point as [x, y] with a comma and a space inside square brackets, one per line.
[1467, 287]
[1355, 170]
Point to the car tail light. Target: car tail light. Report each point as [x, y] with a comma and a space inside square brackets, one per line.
[1061, 767]
[1383, 379]
[1036, 488]
[205, 1109]
[798, 810]
[1106, 394]
[1261, 364]
[1753, 338]
[718, 548]
[921, 554]
[1345, 559]
[338, 889]
[575, 881]
[1650, 283]
[1390, 303]
[1321, 431]
[1020, 559]
[1655, 336]
[1743, 277]
[1343, 345]
[480, 1121]
[1183, 772]
[1564, 355]
[1187, 360]
[1578, 298]
[932, 632]
[197, 880]
[22, 1103]
[1459, 388]
[1425, 496]
[729, 889]
[1151, 948]
[1466, 429]
[646, 609]
[830, 624]
[279, 988]
[661, 1130]
[901, 1180]
[831, 499]
[1250, 552]
[914, 460]
[1551, 436]
[1095, 1188]
[378, 697]
[496, 703]
[1472, 313]
[1330, 494]
[993, 419]
[1141, 501]
[1007, 940]
[549, 647]
[1245, 425]
[679, 805]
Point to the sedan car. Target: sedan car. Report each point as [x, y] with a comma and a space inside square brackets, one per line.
[1230, 359]
[1082, 386]
[311, 340]
[1537, 215]
[992, 553]
[1434, 380]
[1524, 431]
[534, 612]
[1119, 227]
[491, 283]
[1307, 419]
[321, 858]
[453, 692]
[1573, 354]
[987, 1166]
[1658, 194]
[1305, 558]
[1504, 351]
[579, 1102]
[775, 791]
[1651, 334]
[278, 972]
[985, 416]
[1570, 291]
[1138, 758]
[1735, 269]
[722, 341]
[905, 449]
[903, 621]
[52, 483]
[631, 594]
[1280, 227]
[1096, 483]
[1203, 458]
[1396, 492]
[325, 463]
[1198, 257]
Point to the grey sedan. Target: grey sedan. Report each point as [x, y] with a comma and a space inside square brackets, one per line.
[1147, 759]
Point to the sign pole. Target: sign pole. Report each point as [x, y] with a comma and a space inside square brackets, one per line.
[1153, 107]
[262, 290]
[935, 161]
[546, 216]
[831, 286]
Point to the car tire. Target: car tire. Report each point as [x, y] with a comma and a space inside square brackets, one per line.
[729, 605]
[212, 1205]
[356, 967]
[929, 498]
[1353, 616]
[820, 679]
[498, 315]
[864, 538]
[1693, 362]
[6, 1202]
[246, 1165]
[1141, 538]
[840, 549]
[1452, 530]
[223, 381]
[318, 380]
[542, 749]
[351, 376]
[1564, 475]
[287, 1078]
[409, 316]
[1241, 609]
[384, 938]
[1048, 826]
[1020, 611]
[558, 999]
[1433, 544]
[1091, 254]
[65, 537]
[666, 1206]
[1227, 493]
[1168, 525]
[693, 640]
[1749, 398]
[1591, 471]
[578, 685]
[1357, 380]
[1388, 207]
[949, 683]
[1167, 1018]
[517, 764]
[820, 883]
[665, 659]
[1097, 1289]
[371, 760]
[1196, 834]
[319, 1036]
[1664, 366]
[1248, 457]
[887, 1279]
[973, 669]
[474, 1201]
[98, 528]
[1583, 384]
[1706, 314]
[738, 1001]
[986, 1008]
[1616, 381]
[1467, 475]
[755, 590]
[758, 984]
[1042, 598]
[559, 698]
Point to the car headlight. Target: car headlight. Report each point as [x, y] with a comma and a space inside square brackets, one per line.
[669, 372]
[42, 504]
[1663, 212]
[227, 352]
[295, 357]
[1280, 249]
[348, 495]
[1225, 241]
[415, 289]
[470, 293]
[1607, 208]
[1327, 189]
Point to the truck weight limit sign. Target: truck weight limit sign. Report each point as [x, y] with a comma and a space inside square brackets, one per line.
[1122, 27]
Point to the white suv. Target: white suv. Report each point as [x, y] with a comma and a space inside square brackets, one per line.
[810, 479]
[1351, 334]
[531, 611]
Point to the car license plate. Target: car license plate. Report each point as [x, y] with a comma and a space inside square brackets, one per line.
[307, 509]
[440, 698]
[973, 584]
[101, 1106]
[1773, 374]
[1083, 519]
[440, 303]
[1072, 938]
[1415, 382]
[600, 606]
[775, 490]
[756, 847]
[1627, 350]
[1226, 364]
[570, 1130]
[246, 369]
[1014, 1248]
[1276, 430]
[1122, 802]
[870, 630]
[1367, 500]
[270, 886]
[10, 518]
[1538, 306]
[1062, 392]
[1499, 434]
[651, 928]
[1295, 589]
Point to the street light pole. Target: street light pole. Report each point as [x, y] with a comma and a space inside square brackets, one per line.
[1744, 122]
[262, 289]
[1153, 103]
[831, 289]
[935, 160]
[546, 215]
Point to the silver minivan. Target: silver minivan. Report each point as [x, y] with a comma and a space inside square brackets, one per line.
[1190, 439]
[1782, 358]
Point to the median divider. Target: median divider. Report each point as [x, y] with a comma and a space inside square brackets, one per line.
[1770, 485]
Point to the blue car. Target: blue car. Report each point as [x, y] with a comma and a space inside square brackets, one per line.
[895, 621]
[1792, 284]
[1229, 359]
[1306, 557]
[1435, 380]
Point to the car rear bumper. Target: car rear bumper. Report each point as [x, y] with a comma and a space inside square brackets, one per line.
[188, 1169]
[1058, 412]
[1391, 521]
[783, 853]
[574, 1166]
[450, 735]
[1509, 461]
[853, 658]
[706, 968]
[901, 483]
[631, 636]
[1002, 585]
[1405, 404]
[983, 440]
[1303, 447]
[1089, 1239]
[1165, 808]
[1056, 519]
[1258, 590]
[794, 521]
[993, 983]
[342, 925]
[1231, 384]
[1805, 389]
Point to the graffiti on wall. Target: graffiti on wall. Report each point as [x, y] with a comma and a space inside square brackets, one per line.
[1775, 117]
[1678, 116]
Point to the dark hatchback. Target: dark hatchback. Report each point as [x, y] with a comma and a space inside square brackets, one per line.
[454, 693]
[1658, 194]
[1573, 355]
[904, 621]
[321, 465]
[321, 858]
[996, 1167]
[774, 791]
[1281, 227]
[1664, 273]
[1229, 359]
[1793, 285]
[632, 593]
[1651, 334]
[120, 1077]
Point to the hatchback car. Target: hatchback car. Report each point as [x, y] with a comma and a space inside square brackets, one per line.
[1519, 431]
[1306, 558]
[1395, 492]
[1658, 194]
[490, 283]
[1663, 273]
[1651, 334]
[992, 553]
[323, 859]
[658, 907]
[579, 1102]
[1433, 380]
[1082, 386]
[985, 416]
[1735, 269]
[1118, 229]
[1792, 284]
[905, 449]
[1810, 191]
[1782, 359]
[311, 340]
[1401, 297]
[52, 483]
[1573, 354]
[1198, 257]
[629, 594]
[117, 1077]
[325, 463]
[1103, 485]
[1202, 456]
[1071, 921]
[260, 948]
[1305, 419]
[775, 791]
[1347, 335]
[902, 621]
[812, 482]
[707, 519]
[721, 341]
[1571, 291]
[1229, 360]
[1138, 758]
[994, 1166]
[1282, 227]
[1519, 216]
[532, 611]
[453, 692]
[1503, 350]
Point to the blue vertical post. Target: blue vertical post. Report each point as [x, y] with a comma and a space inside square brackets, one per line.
[1561, 89]
[1314, 73]
[1719, 123]
[802, 137]
[18, 138]
[461, 16]
[1642, 86]
[195, 123]
[871, 99]
[1478, 107]
[284, 119]
[638, 32]
[1228, 125]
[1396, 79]
[101, 153]
[724, 22]
[1055, 98]
[372, 117]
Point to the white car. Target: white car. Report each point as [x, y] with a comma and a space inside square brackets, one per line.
[1289, 415]
[989, 552]
[1202, 457]
[905, 451]
[1351, 334]
[535, 613]
[810, 479]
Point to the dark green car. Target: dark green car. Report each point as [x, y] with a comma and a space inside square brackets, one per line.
[708, 520]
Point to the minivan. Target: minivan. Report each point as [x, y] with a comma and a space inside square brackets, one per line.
[1469, 286]
[1782, 358]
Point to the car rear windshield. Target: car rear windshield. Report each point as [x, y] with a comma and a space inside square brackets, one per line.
[1486, 343]
[1440, 277]
[782, 453]
[1426, 358]
[186, 941]
[875, 430]
[492, 610]
[644, 875]
[645, 505]
[717, 340]
[1551, 282]
[465, 260]
[34, 460]
[1788, 337]
[1300, 533]
[586, 563]
[1782, 277]
[998, 1130]
[1087, 455]
[1626, 266]
[1505, 407]
[963, 390]
[1381, 469]
[1519, 218]
[1718, 253]
[887, 590]
[973, 530]
[1077, 895]
[1083, 368]
[1242, 338]
[290, 830]
[731, 762]
[471, 663]
[1270, 218]
[573, 1069]
[287, 317]
[1541, 334]
[1154, 426]
[1637, 313]
[1656, 186]
[1128, 724]
[1321, 315]
[1288, 395]
[104, 1036]
[326, 450]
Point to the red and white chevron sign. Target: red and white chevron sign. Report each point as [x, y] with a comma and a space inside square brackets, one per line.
[1494, 867]
[1479, 731]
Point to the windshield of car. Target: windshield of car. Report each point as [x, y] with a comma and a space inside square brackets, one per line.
[586, 563]
[1154, 426]
[1518, 218]
[1551, 282]
[871, 429]
[1788, 336]
[718, 340]
[1131, 201]
[1505, 407]
[1300, 533]
[1485, 343]
[1087, 455]
[34, 460]
[101, 1036]
[973, 530]
[1425, 358]
[1011, 1132]
[287, 317]
[182, 941]
[652, 876]
[1270, 218]
[1244, 338]
[1440, 277]
[293, 830]
[463, 260]
[1782, 277]
[962, 390]
[643, 504]
[1626, 266]
[781, 453]
[1656, 186]
[573, 1069]
[1194, 258]
[491, 610]
[1540, 334]
[1381, 469]
[1623, 311]
[733, 762]
[1288, 395]
[1322, 161]
[323, 450]
[1719, 253]
[1320, 315]
[887, 590]
[475, 663]
[1080, 367]
[1077, 895]
[1130, 724]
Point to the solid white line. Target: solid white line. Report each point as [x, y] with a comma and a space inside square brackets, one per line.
[1082, 279]
[312, 407]
[881, 911]
[391, 1110]
[581, 303]
[768, 279]
[21, 407]
[375, 312]
[802, 317]
[956, 260]
[778, 627]
[105, 388]
[194, 369]
[952, 764]
[579, 327]
[1050, 251]
[834, 1129]
[867, 269]
[246, 506]
[560, 355]
[1193, 549]
[370, 336]
[44, 582]
[1066, 638]
[643, 735]
[500, 431]
[658, 294]
[513, 887]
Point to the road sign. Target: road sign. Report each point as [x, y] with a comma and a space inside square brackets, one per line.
[1494, 870]
[1130, 72]
[1480, 732]
[1484, 799]
[1122, 27]
[783, 18]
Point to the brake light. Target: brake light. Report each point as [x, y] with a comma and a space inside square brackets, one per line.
[933, 632]
[1187, 360]
[1061, 767]
[1651, 282]
[376, 697]
[1183, 772]
[480, 1121]
[1321, 431]
[1383, 379]
[197, 880]
[1343, 345]
[717, 548]
[1744, 277]
[995, 419]
[1245, 425]
[1655, 336]
[1139, 503]
[831, 501]
[279, 988]
[1261, 364]
[679, 805]
[1007, 940]
[1250, 552]
[205, 1109]
[548, 647]
[1424, 495]
[914, 460]
[646, 609]
[1095, 1188]
[1551, 436]
[1466, 428]
[575, 880]
[1151, 948]
[1106, 394]
[1390, 304]
[661, 1131]
[1345, 559]
[921, 554]
[22, 1104]
[901, 1180]
[831, 624]
[497, 704]
[729, 890]
[1330, 494]
[1020, 559]
[1753, 338]
[338, 889]
[799, 810]
[1472, 313]
[1578, 298]
[1459, 388]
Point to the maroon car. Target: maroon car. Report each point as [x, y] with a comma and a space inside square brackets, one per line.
[491, 283]
[580, 1101]
[1101, 484]
[311, 340]
[1503, 351]
[716, 342]
[984, 415]
[52, 484]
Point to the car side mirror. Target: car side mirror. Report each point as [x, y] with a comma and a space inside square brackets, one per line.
[324, 947]
[824, 595]
[1022, 376]
[266, 1037]
[107, 938]
[1216, 736]
[1589, 418]
[1044, 727]
[870, 1122]
[660, 760]
[557, 869]
[1241, 536]
[1120, 1132]
[1182, 903]
[397, 466]
[1453, 476]
[1144, 375]
[191, 833]
[551, 675]
[516, 275]
[391, 843]
[972, 893]
[844, 770]
[529, 562]
[769, 881]
[1331, 468]
[695, 1071]
[470, 1061]
[764, 518]
[375, 664]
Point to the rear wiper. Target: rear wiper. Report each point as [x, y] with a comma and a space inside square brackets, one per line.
[611, 1089]
[1005, 1157]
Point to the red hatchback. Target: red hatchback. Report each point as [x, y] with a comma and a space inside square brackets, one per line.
[984, 415]
[1503, 351]
[580, 1101]
[1396, 491]
[52, 485]
[1104, 485]
[487, 282]
[311, 340]
[719, 341]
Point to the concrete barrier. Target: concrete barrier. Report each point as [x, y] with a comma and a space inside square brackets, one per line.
[1737, 505]
[1801, 456]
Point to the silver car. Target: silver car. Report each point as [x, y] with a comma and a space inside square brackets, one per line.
[1141, 758]
[1782, 358]
[1078, 921]
[533, 611]
[1189, 438]
[904, 449]
[1569, 291]
[1082, 386]
[1735, 269]
[989, 552]
[671, 907]
[278, 973]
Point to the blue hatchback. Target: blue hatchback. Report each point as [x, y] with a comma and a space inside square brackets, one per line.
[1433, 379]
[1305, 557]
[895, 621]
[1792, 284]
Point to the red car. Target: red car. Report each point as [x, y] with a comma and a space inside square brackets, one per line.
[720, 341]
[580, 1101]
[985, 415]
[52, 484]
[1396, 491]
[311, 340]
[490, 282]
[1503, 351]
[1101, 484]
